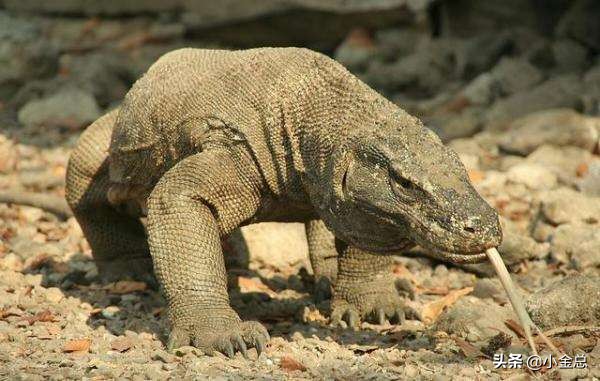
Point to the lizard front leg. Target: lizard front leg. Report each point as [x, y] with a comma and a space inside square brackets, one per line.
[198, 201]
[365, 289]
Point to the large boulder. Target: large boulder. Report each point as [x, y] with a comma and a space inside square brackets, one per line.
[70, 107]
[558, 92]
[561, 127]
[577, 245]
[572, 301]
[565, 205]
[25, 54]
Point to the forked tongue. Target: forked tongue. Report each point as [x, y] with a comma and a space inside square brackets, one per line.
[517, 302]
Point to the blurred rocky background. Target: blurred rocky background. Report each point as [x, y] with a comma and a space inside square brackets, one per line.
[513, 86]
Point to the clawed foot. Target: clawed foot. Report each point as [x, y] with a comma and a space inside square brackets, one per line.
[226, 335]
[375, 303]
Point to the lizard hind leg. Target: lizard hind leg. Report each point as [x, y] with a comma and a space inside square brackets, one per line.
[117, 239]
[323, 258]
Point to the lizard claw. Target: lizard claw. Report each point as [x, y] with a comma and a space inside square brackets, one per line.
[354, 302]
[227, 336]
[345, 315]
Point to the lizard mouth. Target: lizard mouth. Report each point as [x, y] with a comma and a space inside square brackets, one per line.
[459, 258]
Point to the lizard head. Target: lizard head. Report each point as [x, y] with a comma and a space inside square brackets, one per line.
[398, 183]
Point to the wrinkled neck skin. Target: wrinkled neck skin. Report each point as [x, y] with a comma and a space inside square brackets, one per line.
[323, 178]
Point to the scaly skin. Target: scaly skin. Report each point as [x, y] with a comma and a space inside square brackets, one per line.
[209, 140]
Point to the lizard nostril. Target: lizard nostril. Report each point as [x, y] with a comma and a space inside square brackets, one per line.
[469, 229]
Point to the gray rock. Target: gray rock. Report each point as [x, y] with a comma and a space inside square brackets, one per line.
[100, 74]
[514, 75]
[454, 126]
[581, 23]
[569, 374]
[565, 205]
[509, 76]
[488, 288]
[69, 107]
[577, 245]
[422, 73]
[564, 162]
[560, 127]
[569, 55]
[475, 318]
[517, 245]
[482, 90]
[572, 301]
[480, 53]
[557, 92]
[533, 176]
[25, 54]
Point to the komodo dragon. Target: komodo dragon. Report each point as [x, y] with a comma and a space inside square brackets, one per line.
[209, 140]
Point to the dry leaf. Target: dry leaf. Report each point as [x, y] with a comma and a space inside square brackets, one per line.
[443, 290]
[44, 316]
[402, 272]
[290, 364]
[126, 287]
[79, 345]
[254, 285]
[515, 327]
[121, 344]
[431, 311]
[468, 349]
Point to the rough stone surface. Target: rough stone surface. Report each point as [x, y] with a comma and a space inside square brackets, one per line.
[572, 301]
[577, 245]
[565, 205]
[565, 162]
[472, 318]
[70, 107]
[533, 176]
[514, 75]
[561, 91]
[561, 127]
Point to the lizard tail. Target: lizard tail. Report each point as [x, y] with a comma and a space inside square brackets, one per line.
[52, 204]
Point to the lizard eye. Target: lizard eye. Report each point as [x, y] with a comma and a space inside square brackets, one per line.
[402, 187]
[402, 181]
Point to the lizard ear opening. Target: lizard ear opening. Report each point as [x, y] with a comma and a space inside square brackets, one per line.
[342, 161]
